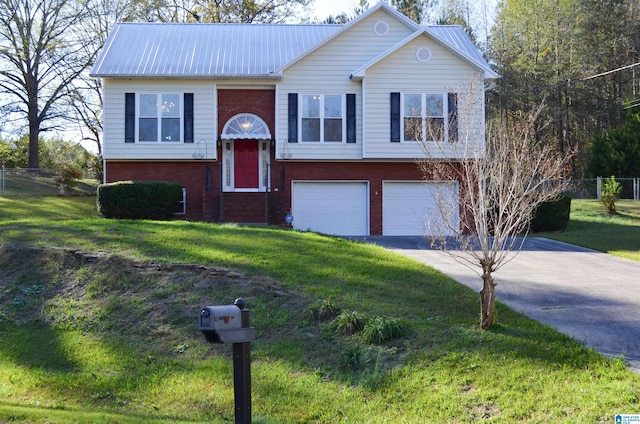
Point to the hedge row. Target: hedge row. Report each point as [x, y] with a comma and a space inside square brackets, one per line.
[139, 200]
[552, 216]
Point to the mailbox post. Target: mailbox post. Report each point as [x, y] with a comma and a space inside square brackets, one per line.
[230, 324]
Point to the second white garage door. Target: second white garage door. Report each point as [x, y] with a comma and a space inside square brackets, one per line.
[410, 208]
[339, 208]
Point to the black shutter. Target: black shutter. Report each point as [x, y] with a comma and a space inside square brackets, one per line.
[188, 117]
[395, 117]
[129, 117]
[293, 117]
[452, 101]
[351, 118]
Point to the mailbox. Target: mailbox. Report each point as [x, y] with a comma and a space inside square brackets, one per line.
[223, 324]
[230, 324]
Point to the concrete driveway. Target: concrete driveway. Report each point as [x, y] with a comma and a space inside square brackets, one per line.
[588, 295]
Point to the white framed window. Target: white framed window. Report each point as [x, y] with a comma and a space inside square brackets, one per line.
[228, 166]
[322, 118]
[264, 166]
[423, 117]
[159, 117]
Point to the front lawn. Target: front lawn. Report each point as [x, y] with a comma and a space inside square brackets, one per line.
[591, 227]
[98, 320]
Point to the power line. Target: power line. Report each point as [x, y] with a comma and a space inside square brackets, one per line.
[569, 82]
[610, 72]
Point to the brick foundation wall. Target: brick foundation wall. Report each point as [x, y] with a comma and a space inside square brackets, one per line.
[250, 207]
[374, 172]
[191, 175]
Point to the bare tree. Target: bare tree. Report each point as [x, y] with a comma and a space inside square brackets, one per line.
[84, 95]
[501, 181]
[41, 54]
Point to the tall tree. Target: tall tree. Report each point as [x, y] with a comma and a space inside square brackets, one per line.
[41, 54]
[533, 44]
[617, 152]
[609, 32]
[248, 11]
[457, 12]
[361, 7]
[571, 55]
[421, 11]
[413, 9]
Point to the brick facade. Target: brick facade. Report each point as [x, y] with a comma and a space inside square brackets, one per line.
[373, 172]
[269, 207]
[258, 102]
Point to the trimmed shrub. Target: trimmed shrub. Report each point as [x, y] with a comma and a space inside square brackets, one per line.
[139, 200]
[552, 215]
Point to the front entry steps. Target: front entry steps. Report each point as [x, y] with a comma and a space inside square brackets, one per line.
[244, 208]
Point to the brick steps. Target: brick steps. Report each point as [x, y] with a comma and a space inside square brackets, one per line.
[246, 208]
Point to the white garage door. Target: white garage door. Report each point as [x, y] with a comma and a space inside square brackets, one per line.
[339, 208]
[414, 208]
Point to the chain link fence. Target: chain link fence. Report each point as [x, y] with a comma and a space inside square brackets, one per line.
[43, 182]
[590, 188]
[39, 182]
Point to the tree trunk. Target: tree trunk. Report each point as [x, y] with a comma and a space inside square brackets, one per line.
[34, 157]
[487, 301]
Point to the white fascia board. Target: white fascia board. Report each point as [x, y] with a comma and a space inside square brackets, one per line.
[270, 77]
[380, 5]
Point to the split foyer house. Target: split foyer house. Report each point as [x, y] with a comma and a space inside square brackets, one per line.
[313, 124]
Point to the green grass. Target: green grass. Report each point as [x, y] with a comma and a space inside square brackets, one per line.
[41, 183]
[98, 322]
[591, 227]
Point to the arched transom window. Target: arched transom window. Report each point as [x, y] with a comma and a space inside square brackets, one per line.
[246, 126]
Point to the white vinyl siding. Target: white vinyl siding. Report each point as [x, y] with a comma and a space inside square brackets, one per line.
[418, 208]
[402, 72]
[327, 71]
[204, 120]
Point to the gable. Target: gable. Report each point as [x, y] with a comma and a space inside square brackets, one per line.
[451, 38]
[364, 38]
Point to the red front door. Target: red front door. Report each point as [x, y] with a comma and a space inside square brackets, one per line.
[245, 153]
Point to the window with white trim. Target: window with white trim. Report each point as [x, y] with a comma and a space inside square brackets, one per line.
[423, 117]
[159, 117]
[322, 118]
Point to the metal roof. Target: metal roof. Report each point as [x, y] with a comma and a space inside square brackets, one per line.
[205, 50]
[155, 50]
[456, 38]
